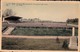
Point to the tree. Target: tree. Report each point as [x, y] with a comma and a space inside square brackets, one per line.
[72, 21]
[8, 12]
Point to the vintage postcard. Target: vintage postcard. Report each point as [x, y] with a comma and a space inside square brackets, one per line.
[32, 26]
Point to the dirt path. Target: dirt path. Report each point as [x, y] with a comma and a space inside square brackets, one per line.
[8, 31]
[36, 37]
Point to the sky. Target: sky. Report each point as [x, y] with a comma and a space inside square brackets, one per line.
[59, 12]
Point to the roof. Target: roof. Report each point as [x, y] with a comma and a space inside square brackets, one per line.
[13, 18]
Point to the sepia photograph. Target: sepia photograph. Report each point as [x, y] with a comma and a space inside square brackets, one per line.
[40, 26]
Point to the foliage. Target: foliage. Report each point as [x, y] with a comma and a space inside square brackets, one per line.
[65, 44]
[8, 12]
[72, 21]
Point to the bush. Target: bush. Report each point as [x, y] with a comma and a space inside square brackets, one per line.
[65, 44]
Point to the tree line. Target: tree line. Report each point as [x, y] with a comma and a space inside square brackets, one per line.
[72, 21]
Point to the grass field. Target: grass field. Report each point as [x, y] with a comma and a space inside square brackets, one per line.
[32, 44]
[43, 31]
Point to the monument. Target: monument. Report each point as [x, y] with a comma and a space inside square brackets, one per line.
[73, 43]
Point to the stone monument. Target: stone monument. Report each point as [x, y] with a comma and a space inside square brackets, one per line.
[73, 43]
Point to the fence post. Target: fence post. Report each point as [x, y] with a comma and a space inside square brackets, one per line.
[73, 31]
